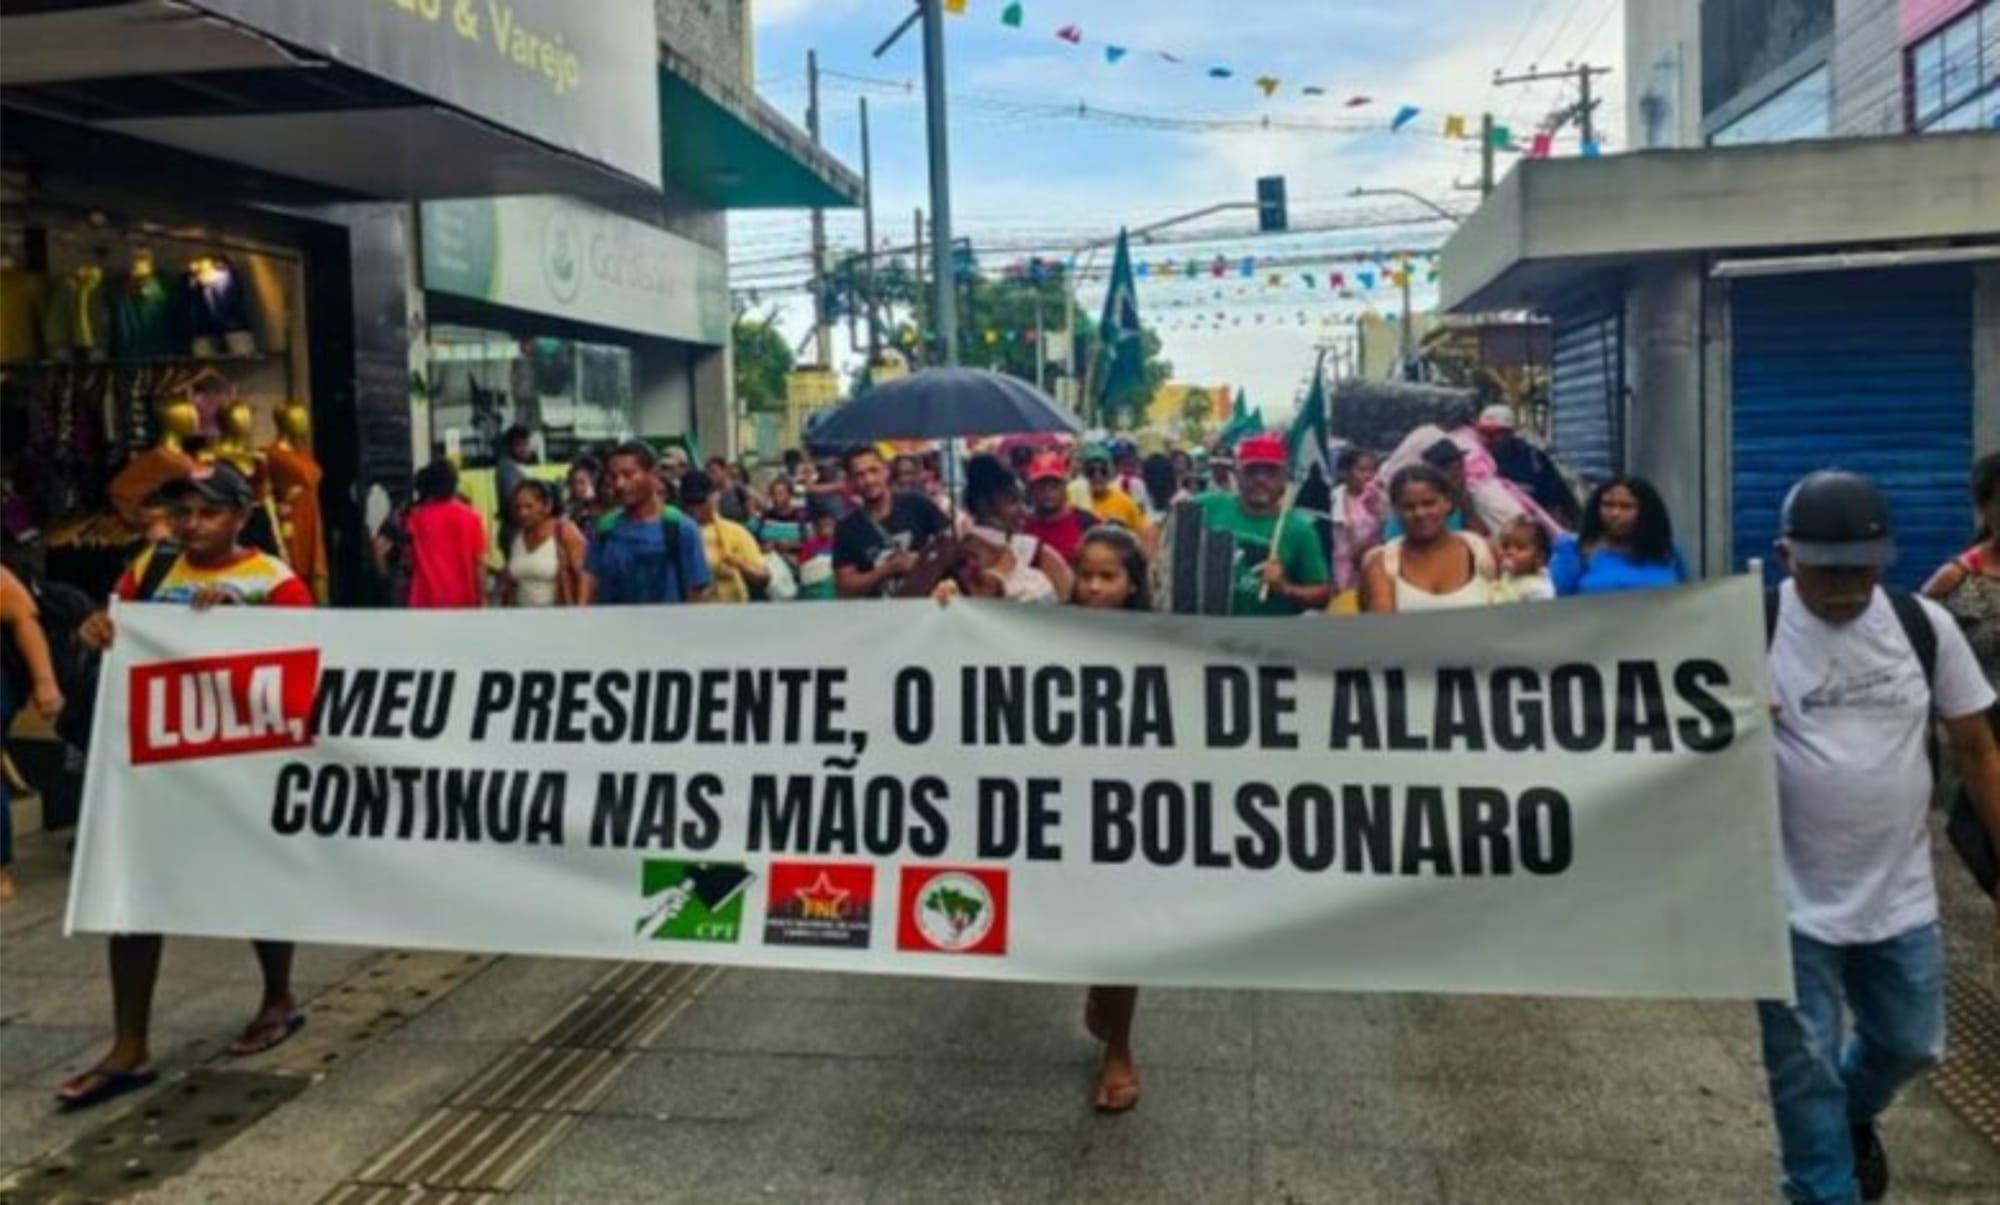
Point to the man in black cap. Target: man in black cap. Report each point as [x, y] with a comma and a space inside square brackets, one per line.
[206, 566]
[1857, 674]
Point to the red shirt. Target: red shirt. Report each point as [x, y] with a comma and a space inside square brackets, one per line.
[1064, 533]
[447, 555]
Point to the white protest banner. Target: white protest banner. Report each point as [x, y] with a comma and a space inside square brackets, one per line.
[1561, 798]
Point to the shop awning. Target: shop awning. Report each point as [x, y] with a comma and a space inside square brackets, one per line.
[1554, 222]
[184, 78]
[722, 144]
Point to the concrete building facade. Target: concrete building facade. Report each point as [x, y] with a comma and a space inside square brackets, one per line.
[1783, 276]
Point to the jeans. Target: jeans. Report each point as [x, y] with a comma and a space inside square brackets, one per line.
[1820, 1087]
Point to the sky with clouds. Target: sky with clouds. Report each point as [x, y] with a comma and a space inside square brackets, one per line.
[1028, 176]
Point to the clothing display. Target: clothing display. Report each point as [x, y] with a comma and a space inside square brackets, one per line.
[22, 297]
[76, 321]
[218, 316]
[145, 323]
[295, 476]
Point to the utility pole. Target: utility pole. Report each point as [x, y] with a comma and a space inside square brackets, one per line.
[1409, 335]
[1486, 154]
[1583, 73]
[943, 299]
[868, 242]
[822, 335]
[917, 289]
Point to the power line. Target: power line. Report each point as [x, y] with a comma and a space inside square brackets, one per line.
[1534, 14]
[1555, 37]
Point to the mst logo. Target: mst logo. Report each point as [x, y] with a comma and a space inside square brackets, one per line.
[217, 706]
[953, 910]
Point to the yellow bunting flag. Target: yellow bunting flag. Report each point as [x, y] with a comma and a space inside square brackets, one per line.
[992, 336]
[1454, 125]
[1267, 84]
[955, 7]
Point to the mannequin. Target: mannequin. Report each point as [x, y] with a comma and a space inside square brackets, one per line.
[295, 477]
[166, 461]
[234, 422]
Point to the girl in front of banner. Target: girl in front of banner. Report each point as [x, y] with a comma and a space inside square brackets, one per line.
[1111, 576]
[207, 566]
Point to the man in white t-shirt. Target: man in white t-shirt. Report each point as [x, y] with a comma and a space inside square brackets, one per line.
[1855, 707]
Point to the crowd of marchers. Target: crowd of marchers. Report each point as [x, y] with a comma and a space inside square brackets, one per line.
[1862, 675]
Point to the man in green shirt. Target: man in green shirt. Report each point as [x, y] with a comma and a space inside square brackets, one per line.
[1297, 579]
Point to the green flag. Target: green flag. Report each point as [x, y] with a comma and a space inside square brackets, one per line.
[1121, 352]
[1242, 421]
[1305, 443]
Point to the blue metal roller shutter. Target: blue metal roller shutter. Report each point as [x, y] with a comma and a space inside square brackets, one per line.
[1869, 371]
[1586, 372]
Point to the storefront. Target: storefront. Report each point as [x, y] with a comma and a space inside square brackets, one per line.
[1728, 320]
[584, 326]
[208, 250]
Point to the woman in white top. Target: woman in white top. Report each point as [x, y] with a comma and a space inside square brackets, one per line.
[1429, 567]
[545, 560]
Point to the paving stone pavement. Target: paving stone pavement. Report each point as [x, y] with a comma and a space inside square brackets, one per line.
[779, 1087]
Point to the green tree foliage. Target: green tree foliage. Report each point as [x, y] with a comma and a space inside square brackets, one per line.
[762, 359]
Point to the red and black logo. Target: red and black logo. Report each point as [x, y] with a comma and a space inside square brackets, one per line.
[217, 706]
[820, 904]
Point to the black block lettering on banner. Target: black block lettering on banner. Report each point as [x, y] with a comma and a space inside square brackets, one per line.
[1694, 682]
[1642, 709]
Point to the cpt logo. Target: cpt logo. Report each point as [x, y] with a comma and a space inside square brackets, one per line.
[214, 706]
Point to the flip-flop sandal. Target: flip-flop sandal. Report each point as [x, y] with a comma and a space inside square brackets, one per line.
[266, 1035]
[1121, 1099]
[100, 1084]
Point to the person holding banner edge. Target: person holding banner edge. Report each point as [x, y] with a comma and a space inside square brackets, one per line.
[210, 568]
[1857, 673]
[1111, 576]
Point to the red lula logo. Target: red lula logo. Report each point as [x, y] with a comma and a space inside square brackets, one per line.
[212, 706]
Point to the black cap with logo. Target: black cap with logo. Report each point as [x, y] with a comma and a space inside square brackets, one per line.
[216, 481]
[1837, 519]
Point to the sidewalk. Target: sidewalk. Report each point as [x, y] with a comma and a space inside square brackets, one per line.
[535, 1080]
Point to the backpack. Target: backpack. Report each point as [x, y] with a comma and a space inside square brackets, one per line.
[670, 534]
[1967, 833]
[80, 682]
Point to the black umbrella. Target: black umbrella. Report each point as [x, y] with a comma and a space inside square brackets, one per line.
[944, 403]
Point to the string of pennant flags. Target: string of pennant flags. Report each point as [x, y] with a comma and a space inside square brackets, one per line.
[1365, 271]
[1403, 118]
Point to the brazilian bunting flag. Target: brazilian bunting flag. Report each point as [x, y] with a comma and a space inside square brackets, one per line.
[1121, 352]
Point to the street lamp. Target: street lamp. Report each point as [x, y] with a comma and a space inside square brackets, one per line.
[1408, 340]
[1418, 197]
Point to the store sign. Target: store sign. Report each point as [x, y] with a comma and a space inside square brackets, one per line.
[581, 77]
[553, 255]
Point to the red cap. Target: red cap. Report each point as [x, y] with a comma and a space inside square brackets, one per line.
[1260, 449]
[1046, 465]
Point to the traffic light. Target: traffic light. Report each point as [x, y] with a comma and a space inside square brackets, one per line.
[1271, 204]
